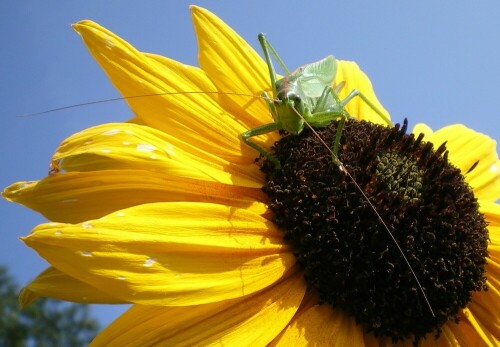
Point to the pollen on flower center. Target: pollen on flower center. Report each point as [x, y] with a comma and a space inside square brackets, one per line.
[402, 175]
[345, 252]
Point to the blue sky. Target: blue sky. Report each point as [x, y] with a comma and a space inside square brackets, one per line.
[432, 62]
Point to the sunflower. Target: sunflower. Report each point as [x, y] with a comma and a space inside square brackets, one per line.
[172, 213]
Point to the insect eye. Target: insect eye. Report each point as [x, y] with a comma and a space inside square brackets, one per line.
[297, 99]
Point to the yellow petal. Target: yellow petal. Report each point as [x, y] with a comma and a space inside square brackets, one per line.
[491, 212]
[350, 73]
[452, 335]
[194, 117]
[117, 146]
[234, 66]
[466, 147]
[464, 333]
[172, 254]
[52, 283]
[493, 275]
[493, 268]
[494, 233]
[421, 128]
[485, 307]
[471, 332]
[321, 325]
[250, 321]
[494, 247]
[75, 197]
[446, 339]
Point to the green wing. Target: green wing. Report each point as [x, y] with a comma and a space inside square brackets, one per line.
[315, 77]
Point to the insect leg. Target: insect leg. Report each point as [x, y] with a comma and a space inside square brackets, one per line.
[342, 113]
[325, 101]
[339, 87]
[260, 130]
[321, 119]
[355, 93]
[327, 108]
[270, 104]
[336, 144]
[272, 72]
[266, 47]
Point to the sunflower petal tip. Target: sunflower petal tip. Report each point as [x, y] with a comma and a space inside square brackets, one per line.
[84, 24]
[26, 297]
[202, 13]
[198, 9]
[78, 27]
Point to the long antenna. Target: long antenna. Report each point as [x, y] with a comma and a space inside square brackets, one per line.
[344, 170]
[132, 97]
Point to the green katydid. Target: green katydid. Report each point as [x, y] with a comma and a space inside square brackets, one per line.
[304, 97]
